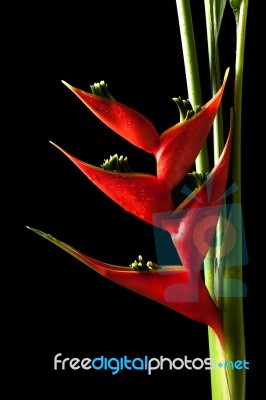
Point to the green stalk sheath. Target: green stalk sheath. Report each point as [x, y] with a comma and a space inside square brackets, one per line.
[226, 384]
[233, 317]
[231, 302]
[215, 76]
[219, 381]
[212, 273]
[191, 69]
[241, 34]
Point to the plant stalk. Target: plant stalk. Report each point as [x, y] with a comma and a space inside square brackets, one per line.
[213, 273]
[230, 303]
[191, 69]
[232, 306]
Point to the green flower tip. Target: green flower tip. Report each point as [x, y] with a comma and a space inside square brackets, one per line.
[186, 110]
[44, 235]
[101, 89]
[116, 164]
[140, 265]
[198, 177]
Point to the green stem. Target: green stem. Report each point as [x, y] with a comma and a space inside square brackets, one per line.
[233, 317]
[231, 306]
[191, 69]
[219, 379]
[212, 273]
[215, 77]
[240, 47]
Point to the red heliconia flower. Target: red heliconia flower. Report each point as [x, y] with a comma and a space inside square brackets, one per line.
[180, 288]
[174, 287]
[175, 151]
[149, 198]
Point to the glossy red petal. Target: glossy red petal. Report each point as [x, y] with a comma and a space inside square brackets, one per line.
[181, 144]
[140, 194]
[127, 122]
[173, 287]
[192, 226]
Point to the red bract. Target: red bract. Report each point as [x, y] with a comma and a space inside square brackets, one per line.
[127, 122]
[192, 226]
[180, 145]
[141, 194]
[174, 287]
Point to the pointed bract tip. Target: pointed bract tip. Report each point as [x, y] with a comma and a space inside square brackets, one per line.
[32, 229]
[226, 73]
[37, 231]
[55, 145]
[62, 150]
[66, 84]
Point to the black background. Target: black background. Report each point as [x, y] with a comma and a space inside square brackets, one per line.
[62, 306]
